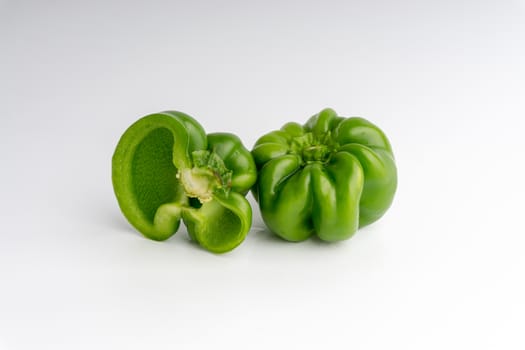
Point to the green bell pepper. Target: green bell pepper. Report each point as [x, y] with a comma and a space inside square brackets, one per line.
[165, 168]
[328, 177]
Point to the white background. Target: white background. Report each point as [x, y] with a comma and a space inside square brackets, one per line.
[444, 268]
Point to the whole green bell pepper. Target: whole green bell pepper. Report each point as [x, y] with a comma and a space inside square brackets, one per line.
[165, 168]
[328, 177]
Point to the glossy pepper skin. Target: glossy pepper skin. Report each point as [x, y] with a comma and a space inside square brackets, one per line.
[165, 168]
[327, 177]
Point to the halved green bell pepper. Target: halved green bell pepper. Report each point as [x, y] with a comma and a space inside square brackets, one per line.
[327, 177]
[165, 168]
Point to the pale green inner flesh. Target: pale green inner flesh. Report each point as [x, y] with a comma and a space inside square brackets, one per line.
[198, 183]
[225, 227]
[229, 224]
[153, 174]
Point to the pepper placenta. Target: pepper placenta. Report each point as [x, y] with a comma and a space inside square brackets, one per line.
[327, 177]
[165, 168]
